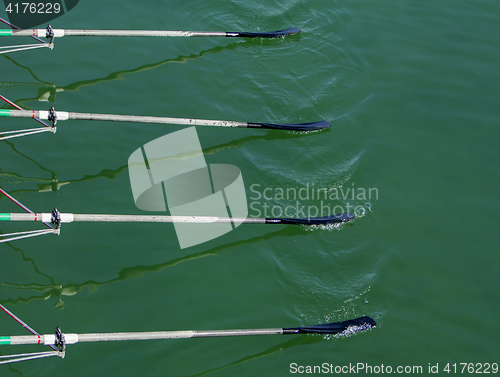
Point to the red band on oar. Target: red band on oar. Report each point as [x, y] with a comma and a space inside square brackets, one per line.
[18, 28]
[20, 108]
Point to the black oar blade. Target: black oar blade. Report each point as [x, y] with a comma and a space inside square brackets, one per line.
[265, 34]
[348, 327]
[292, 127]
[341, 218]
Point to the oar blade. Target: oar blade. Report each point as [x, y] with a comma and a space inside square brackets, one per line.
[341, 218]
[312, 126]
[348, 327]
[265, 34]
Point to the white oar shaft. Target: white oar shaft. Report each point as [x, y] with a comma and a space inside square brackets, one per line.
[69, 217]
[156, 335]
[139, 33]
[118, 33]
[63, 115]
[151, 119]
[143, 33]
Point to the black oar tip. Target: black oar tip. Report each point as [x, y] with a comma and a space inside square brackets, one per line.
[264, 34]
[333, 219]
[356, 325]
[364, 321]
[312, 126]
[341, 218]
[348, 327]
[347, 217]
[317, 125]
[290, 31]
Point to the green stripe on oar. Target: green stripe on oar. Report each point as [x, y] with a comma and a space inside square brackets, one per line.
[4, 32]
[4, 216]
[4, 113]
[4, 340]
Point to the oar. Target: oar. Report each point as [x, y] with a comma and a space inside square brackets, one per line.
[63, 115]
[56, 217]
[348, 327]
[60, 340]
[145, 33]
[51, 33]
[54, 220]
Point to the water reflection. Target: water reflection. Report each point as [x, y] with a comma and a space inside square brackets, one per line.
[57, 290]
[48, 91]
[296, 341]
[53, 183]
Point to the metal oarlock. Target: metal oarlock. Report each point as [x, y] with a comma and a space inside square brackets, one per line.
[50, 36]
[52, 117]
[60, 341]
[56, 218]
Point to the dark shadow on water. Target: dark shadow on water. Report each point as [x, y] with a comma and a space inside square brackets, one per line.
[46, 291]
[296, 341]
[48, 91]
[53, 183]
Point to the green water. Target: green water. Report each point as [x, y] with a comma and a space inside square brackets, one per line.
[412, 91]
